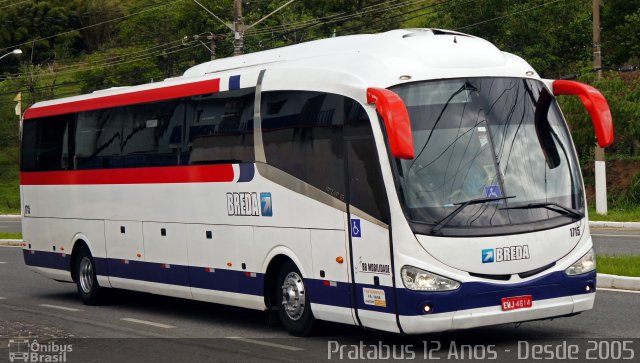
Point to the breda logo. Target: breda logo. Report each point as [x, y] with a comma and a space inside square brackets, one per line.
[248, 204]
[501, 254]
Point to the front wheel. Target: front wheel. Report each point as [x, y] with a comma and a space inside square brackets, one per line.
[294, 307]
[86, 279]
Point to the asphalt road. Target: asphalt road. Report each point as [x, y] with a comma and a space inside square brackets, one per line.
[182, 330]
[616, 241]
[10, 224]
[606, 241]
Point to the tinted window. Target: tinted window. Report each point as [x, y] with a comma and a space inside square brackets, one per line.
[45, 143]
[366, 189]
[152, 133]
[302, 135]
[220, 128]
[98, 139]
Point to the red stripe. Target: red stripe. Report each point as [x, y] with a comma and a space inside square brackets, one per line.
[155, 175]
[151, 95]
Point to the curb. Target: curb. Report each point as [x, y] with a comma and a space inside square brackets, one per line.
[618, 282]
[599, 224]
[11, 242]
[10, 217]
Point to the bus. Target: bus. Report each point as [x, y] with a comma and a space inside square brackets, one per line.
[411, 181]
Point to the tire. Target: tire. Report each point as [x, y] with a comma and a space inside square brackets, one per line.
[294, 307]
[86, 280]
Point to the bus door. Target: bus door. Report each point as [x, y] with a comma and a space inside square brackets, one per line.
[368, 231]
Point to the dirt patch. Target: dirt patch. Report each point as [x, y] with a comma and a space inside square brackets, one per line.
[620, 174]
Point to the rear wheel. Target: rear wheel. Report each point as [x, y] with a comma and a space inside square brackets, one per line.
[86, 279]
[293, 301]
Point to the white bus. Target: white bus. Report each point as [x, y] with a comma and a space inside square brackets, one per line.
[412, 181]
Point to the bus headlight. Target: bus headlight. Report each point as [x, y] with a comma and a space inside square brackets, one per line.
[585, 264]
[421, 280]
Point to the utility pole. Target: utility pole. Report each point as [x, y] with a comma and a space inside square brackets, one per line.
[600, 166]
[238, 28]
[213, 48]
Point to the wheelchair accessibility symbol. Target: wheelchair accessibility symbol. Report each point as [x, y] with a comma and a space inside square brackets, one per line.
[492, 191]
[355, 228]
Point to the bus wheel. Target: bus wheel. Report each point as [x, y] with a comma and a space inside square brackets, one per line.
[85, 272]
[293, 301]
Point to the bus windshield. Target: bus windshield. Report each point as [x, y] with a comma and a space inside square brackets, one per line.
[502, 140]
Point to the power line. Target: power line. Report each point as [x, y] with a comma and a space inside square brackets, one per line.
[151, 8]
[14, 4]
[166, 51]
[95, 67]
[129, 54]
[509, 14]
[371, 9]
[39, 88]
[108, 60]
[104, 60]
[360, 26]
[337, 16]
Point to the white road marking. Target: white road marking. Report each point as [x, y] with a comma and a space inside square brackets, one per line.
[617, 290]
[1, 263]
[616, 235]
[267, 344]
[157, 325]
[2, 298]
[59, 307]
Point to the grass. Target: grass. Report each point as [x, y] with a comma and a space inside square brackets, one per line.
[10, 235]
[619, 265]
[9, 181]
[629, 214]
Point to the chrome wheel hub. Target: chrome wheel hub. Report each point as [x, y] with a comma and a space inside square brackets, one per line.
[293, 300]
[86, 275]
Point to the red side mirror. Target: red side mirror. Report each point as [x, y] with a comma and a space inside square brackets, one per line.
[595, 103]
[396, 120]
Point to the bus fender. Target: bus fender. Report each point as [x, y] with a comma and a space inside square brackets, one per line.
[286, 251]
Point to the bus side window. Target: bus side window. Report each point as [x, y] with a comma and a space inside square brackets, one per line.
[302, 133]
[98, 139]
[46, 144]
[220, 128]
[151, 134]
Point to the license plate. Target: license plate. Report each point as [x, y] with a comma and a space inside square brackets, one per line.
[516, 302]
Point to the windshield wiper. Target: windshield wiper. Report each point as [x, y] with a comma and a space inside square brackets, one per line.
[443, 222]
[558, 208]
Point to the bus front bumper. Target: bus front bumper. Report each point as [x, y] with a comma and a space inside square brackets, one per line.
[494, 315]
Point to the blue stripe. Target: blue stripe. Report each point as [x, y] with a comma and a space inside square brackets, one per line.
[339, 295]
[247, 172]
[227, 280]
[470, 295]
[180, 275]
[473, 295]
[234, 82]
[53, 260]
[102, 267]
[151, 272]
